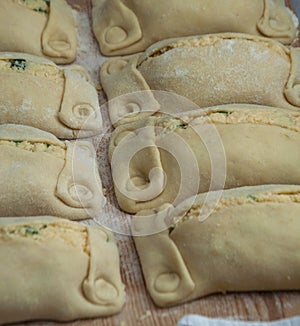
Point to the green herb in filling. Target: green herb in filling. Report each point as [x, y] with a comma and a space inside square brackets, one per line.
[31, 231]
[224, 112]
[17, 141]
[40, 10]
[19, 64]
[182, 126]
[252, 197]
[38, 5]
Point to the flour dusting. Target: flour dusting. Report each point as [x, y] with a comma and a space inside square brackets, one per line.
[89, 55]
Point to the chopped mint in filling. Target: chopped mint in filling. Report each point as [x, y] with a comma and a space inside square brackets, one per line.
[40, 10]
[182, 126]
[223, 112]
[31, 231]
[20, 64]
[38, 6]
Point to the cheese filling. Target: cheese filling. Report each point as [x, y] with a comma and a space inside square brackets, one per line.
[35, 69]
[36, 147]
[288, 120]
[228, 202]
[169, 124]
[72, 235]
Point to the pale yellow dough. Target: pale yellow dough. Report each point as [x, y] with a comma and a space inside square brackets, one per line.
[36, 92]
[59, 270]
[250, 242]
[130, 26]
[41, 175]
[159, 160]
[39, 28]
[208, 70]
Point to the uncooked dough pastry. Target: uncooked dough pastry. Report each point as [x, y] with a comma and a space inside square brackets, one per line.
[36, 92]
[41, 175]
[41, 27]
[249, 242]
[165, 159]
[57, 270]
[130, 26]
[208, 70]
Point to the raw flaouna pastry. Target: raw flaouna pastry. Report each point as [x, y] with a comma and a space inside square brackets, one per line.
[208, 70]
[58, 270]
[36, 92]
[249, 242]
[165, 159]
[40, 27]
[41, 175]
[130, 26]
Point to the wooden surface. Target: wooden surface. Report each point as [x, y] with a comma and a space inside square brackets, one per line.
[139, 309]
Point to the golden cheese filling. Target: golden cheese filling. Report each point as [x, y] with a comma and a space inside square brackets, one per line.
[169, 124]
[228, 202]
[55, 150]
[210, 40]
[288, 120]
[72, 235]
[41, 6]
[20, 65]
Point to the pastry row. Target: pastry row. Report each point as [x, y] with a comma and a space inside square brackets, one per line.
[48, 28]
[247, 69]
[208, 70]
[166, 159]
[184, 255]
[154, 161]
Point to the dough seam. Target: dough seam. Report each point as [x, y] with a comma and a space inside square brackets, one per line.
[229, 202]
[207, 40]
